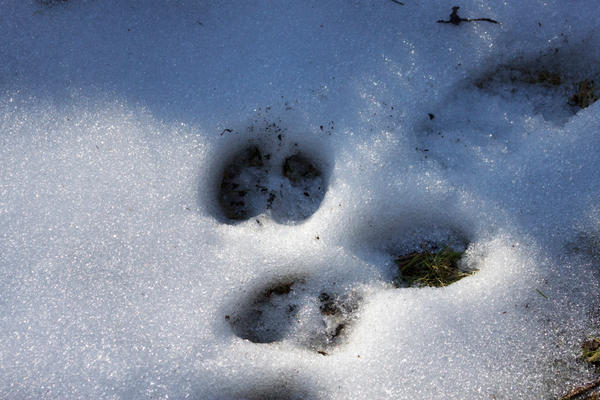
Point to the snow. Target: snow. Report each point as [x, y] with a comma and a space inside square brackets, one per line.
[124, 275]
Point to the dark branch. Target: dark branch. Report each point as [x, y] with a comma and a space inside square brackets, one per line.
[455, 19]
[581, 389]
[493, 21]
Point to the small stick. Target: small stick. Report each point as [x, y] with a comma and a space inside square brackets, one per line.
[398, 2]
[493, 21]
[581, 389]
[455, 19]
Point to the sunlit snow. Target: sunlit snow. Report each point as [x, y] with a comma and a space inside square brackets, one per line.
[204, 199]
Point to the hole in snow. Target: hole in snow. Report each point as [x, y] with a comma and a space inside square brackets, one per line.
[274, 176]
[337, 313]
[431, 265]
[302, 192]
[296, 311]
[269, 313]
[244, 190]
[300, 171]
[401, 245]
[282, 389]
[556, 85]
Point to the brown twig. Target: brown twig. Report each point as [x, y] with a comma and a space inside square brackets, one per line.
[581, 390]
[398, 2]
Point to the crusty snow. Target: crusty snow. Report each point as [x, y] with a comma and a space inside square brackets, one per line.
[204, 199]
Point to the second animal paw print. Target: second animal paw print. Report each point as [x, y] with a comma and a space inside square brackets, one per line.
[298, 311]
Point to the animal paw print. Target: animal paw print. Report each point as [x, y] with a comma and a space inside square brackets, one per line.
[289, 189]
[296, 310]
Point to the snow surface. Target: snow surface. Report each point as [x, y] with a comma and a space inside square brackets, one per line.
[121, 276]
